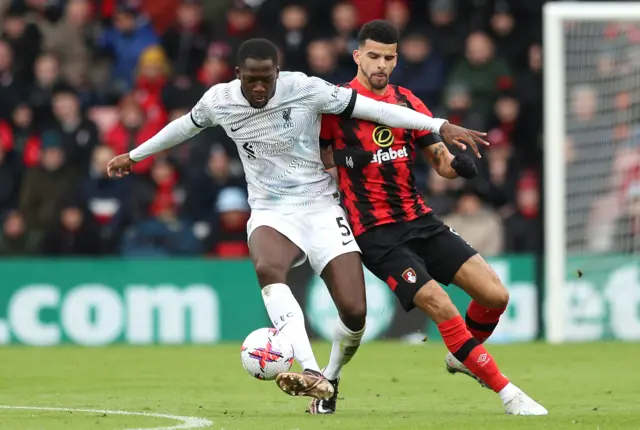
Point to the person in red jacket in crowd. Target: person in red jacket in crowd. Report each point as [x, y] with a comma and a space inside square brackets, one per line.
[19, 136]
[132, 130]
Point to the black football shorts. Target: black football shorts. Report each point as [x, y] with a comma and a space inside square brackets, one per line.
[407, 255]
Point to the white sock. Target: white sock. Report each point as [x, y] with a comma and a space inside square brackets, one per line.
[287, 317]
[508, 392]
[345, 345]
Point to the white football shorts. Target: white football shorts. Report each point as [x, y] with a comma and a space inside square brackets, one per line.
[322, 234]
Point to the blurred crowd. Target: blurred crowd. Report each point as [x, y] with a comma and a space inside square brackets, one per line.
[82, 80]
[603, 137]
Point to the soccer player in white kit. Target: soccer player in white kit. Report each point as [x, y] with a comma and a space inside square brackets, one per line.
[274, 119]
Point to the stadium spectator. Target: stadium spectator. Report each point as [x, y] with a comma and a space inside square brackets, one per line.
[9, 85]
[446, 32]
[294, 35]
[509, 44]
[628, 226]
[230, 238]
[345, 31]
[16, 239]
[186, 41]
[160, 190]
[9, 182]
[439, 196]
[124, 42]
[47, 77]
[131, 130]
[528, 91]
[323, 62]
[498, 172]
[152, 74]
[107, 201]
[398, 13]
[46, 186]
[215, 68]
[20, 137]
[24, 38]
[72, 40]
[458, 108]
[483, 72]
[79, 135]
[73, 234]
[478, 224]
[523, 230]
[165, 234]
[418, 59]
[242, 24]
[205, 185]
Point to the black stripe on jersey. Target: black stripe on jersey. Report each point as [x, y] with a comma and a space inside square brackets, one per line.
[364, 206]
[325, 143]
[346, 114]
[417, 207]
[194, 121]
[390, 175]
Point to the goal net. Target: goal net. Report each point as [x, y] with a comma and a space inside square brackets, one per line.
[592, 171]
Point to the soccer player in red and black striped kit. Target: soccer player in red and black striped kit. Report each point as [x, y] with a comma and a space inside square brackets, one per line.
[402, 241]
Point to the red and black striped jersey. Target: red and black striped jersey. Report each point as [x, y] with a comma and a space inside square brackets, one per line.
[384, 191]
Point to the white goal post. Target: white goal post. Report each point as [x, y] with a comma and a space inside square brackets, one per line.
[556, 95]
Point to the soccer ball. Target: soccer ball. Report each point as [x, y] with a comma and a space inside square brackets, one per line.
[265, 353]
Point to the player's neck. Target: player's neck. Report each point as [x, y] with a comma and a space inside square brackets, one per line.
[365, 83]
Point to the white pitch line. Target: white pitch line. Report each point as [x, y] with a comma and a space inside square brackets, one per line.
[187, 422]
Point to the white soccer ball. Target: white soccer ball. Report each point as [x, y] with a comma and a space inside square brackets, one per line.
[265, 353]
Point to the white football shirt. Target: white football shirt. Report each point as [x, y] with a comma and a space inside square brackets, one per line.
[278, 144]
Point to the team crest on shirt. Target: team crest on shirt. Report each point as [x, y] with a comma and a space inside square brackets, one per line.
[410, 276]
[286, 115]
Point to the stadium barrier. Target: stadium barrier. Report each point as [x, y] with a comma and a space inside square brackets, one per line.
[100, 302]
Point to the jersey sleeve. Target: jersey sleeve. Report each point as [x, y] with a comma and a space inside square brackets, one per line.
[423, 138]
[326, 130]
[330, 99]
[205, 113]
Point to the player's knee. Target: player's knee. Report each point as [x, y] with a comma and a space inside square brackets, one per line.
[497, 296]
[270, 273]
[354, 316]
[500, 297]
[435, 302]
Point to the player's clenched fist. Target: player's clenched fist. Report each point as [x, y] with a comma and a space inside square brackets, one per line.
[120, 166]
[459, 136]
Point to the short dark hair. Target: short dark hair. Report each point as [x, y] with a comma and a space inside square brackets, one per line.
[380, 31]
[258, 49]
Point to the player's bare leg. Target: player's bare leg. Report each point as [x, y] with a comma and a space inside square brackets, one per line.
[345, 279]
[489, 301]
[273, 255]
[435, 302]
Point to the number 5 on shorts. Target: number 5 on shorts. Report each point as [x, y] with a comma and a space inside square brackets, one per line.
[343, 226]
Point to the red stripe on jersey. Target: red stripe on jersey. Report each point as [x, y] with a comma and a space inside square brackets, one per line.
[377, 196]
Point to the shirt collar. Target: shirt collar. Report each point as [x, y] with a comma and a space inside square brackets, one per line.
[361, 89]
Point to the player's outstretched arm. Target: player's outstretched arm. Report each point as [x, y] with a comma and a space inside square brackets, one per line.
[401, 117]
[174, 133]
[448, 166]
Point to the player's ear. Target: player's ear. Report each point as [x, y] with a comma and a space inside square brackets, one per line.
[237, 70]
[356, 56]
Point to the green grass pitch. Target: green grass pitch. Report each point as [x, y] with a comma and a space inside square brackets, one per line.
[387, 386]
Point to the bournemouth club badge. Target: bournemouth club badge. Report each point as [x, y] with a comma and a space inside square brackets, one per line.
[410, 276]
